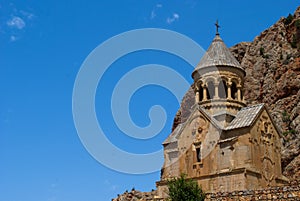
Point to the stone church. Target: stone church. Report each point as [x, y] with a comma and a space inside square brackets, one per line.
[224, 145]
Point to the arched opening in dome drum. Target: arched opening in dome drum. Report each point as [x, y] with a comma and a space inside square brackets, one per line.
[242, 94]
[211, 90]
[234, 91]
[222, 88]
[200, 93]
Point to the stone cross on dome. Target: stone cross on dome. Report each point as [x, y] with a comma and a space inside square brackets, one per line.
[217, 27]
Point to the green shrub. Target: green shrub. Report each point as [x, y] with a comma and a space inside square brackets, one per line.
[297, 24]
[183, 189]
[288, 132]
[288, 19]
[285, 116]
[294, 41]
[261, 51]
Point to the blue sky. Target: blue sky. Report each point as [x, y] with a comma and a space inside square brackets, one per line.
[43, 45]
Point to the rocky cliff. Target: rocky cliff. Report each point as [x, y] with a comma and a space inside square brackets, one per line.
[135, 195]
[272, 65]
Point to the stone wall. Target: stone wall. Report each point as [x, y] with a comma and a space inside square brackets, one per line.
[291, 192]
[283, 193]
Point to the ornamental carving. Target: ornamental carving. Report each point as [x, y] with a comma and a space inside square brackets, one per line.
[268, 169]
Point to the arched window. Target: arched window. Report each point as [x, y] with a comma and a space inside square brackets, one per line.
[200, 93]
[222, 88]
[198, 154]
[233, 91]
[211, 90]
[241, 94]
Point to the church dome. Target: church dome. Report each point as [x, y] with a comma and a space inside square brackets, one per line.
[217, 55]
[219, 79]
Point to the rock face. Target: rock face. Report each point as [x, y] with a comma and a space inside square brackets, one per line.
[272, 65]
[135, 195]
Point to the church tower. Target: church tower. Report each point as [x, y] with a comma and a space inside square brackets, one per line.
[218, 82]
[224, 144]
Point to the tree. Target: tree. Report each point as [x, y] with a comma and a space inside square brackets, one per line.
[288, 19]
[183, 189]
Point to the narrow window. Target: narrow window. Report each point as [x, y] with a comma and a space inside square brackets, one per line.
[266, 127]
[201, 93]
[211, 90]
[198, 154]
[233, 91]
[222, 89]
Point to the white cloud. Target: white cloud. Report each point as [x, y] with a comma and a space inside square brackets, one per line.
[13, 38]
[28, 15]
[110, 186]
[114, 187]
[153, 14]
[172, 19]
[16, 22]
[154, 10]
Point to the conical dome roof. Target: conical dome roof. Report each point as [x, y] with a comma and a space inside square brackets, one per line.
[218, 55]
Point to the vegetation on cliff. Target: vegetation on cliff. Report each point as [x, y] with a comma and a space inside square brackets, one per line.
[183, 189]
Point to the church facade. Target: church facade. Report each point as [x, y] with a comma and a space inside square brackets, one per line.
[224, 145]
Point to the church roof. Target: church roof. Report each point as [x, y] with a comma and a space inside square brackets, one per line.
[218, 55]
[245, 117]
[174, 135]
